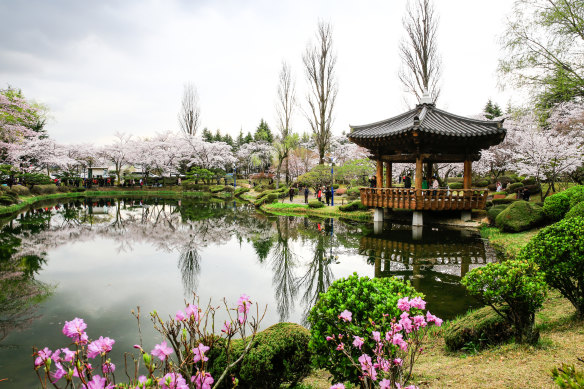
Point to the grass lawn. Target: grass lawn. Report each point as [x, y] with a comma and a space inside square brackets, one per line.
[506, 242]
[294, 209]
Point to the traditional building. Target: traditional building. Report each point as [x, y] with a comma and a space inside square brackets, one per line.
[425, 135]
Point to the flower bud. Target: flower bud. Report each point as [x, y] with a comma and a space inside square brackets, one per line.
[147, 358]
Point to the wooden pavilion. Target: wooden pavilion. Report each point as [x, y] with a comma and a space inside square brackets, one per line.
[425, 135]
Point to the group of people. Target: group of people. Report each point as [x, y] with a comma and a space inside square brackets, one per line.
[407, 180]
[327, 191]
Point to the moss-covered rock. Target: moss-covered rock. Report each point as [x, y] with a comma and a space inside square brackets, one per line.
[477, 329]
[520, 216]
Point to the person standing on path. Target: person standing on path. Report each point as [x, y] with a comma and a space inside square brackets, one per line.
[327, 195]
[319, 195]
[291, 193]
[306, 194]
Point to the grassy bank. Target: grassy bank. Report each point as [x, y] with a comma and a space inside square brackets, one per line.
[26, 201]
[293, 209]
[509, 244]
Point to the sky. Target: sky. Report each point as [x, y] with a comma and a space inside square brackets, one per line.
[112, 66]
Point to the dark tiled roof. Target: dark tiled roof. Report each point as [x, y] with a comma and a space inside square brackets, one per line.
[426, 118]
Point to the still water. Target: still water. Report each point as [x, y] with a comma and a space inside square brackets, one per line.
[99, 259]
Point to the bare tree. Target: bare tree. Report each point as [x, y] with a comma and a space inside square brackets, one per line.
[319, 63]
[421, 65]
[285, 105]
[189, 116]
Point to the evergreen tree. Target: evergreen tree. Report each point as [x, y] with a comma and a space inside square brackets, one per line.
[218, 137]
[248, 138]
[492, 110]
[305, 138]
[240, 138]
[263, 133]
[228, 139]
[207, 135]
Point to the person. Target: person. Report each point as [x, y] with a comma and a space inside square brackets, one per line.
[499, 186]
[408, 181]
[319, 194]
[306, 194]
[425, 184]
[291, 193]
[373, 182]
[435, 185]
[178, 181]
[526, 194]
[327, 195]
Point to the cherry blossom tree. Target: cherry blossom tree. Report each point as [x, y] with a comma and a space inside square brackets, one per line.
[255, 155]
[119, 152]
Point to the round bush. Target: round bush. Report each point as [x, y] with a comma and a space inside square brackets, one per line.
[529, 181]
[455, 185]
[354, 193]
[43, 189]
[6, 199]
[278, 355]
[520, 216]
[353, 206]
[367, 299]
[559, 251]
[483, 183]
[494, 211]
[577, 210]
[478, 329]
[315, 204]
[519, 284]
[576, 195]
[20, 190]
[533, 189]
[513, 188]
[556, 206]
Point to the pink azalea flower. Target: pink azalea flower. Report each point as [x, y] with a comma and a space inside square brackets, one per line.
[75, 329]
[376, 336]
[202, 380]
[383, 364]
[367, 366]
[405, 322]
[340, 347]
[69, 355]
[346, 315]
[108, 367]
[330, 338]
[243, 304]
[431, 318]
[403, 304]
[100, 346]
[417, 302]
[58, 373]
[192, 310]
[174, 381]
[337, 386]
[162, 351]
[180, 316]
[419, 321]
[358, 342]
[384, 384]
[227, 328]
[97, 383]
[398, 361]
[200, 353]
[42, 356]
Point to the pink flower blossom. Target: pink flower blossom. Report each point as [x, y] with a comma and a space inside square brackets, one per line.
[200, 353]
[162, 351]
[180, 316]
[358, 342]
[97, 383]
[227, 329]
[174, 381]
[58, 373]
[341, 346]
[243, 303]
[42, 356]
[100, 346]
[419, 321]
[337, 386]
[367, 366]
[431, 318]
[346, 315]
[75, 329]
[376, 336]
[202, 380]
[192, 311]
[405, 322]
[108, 367]
[417, 302]
[384, 384]
[403, 304]
[398, 361]
[330, 338]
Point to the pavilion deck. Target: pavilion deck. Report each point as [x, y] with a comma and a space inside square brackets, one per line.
[425, 199]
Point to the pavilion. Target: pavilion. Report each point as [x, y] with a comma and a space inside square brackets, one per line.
[425, 135]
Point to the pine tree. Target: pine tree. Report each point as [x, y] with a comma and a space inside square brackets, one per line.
[207, 135]
[492, 110]
[248, 138]
[263, 132]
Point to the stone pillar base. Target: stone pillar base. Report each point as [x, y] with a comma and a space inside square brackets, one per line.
[377, 228]
[378, 215]
[417, 219]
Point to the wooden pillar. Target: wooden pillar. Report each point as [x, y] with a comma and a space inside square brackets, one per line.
[388, 174]
[379, 174]
[467, 178]
[418, 179]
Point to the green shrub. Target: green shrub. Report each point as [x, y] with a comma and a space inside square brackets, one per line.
[353, 206]
[82, 189]
[533, 189]
[504, 201]
[455, 185]
[278, 355]
[241, 190]
[513, 188]
[494, 211]
[266, 199]
[568, 377]
[336, 186]
[559, 251]
[482, 183]
[577, 210]
[63, 189]
[354, 193]
[477, 329]
[556, 206]
[529, 181]
[228, 188]
[33, 179]
[43, 189]
[6, 199]
[367, 299]
[216, 188]
[20, 190]
[519, 284]
[520, 216]
[576, 195]
[315, 204]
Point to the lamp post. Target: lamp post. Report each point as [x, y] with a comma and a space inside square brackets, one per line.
[332, 182]
[234, 176]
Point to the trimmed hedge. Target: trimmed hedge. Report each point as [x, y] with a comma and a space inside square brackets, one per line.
[353, 206]
[456, 185]
[315, 204]
[480, 183]
[513, 188]
[559, 251]
[576, 195]
[577, 210]
[529, 181]
[494, 211]
[266, 198]
[477, 329]
[216, 188]
[520, 216]
[353, 193]
[241, 190]
[556, 206]
[43, 189]
[20, 190]
[8, 199]
[279, 355]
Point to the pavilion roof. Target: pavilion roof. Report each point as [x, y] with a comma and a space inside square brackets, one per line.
[428, 129]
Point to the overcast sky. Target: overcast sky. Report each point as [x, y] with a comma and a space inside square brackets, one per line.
[107, 66]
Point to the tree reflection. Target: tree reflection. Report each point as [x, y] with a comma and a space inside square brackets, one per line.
[283, 265]
[189, 264]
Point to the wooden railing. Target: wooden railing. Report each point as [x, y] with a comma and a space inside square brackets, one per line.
[425, 199]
